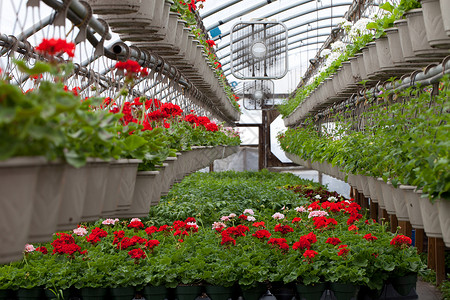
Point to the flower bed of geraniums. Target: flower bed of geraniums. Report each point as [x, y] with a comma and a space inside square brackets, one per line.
[309, 242]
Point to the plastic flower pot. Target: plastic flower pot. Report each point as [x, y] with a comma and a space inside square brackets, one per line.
[444, 220]
[94, 293]
[434, 25]
[255, 292]
[216, 292]
[445, 6]
[283, 291]
[155, 292]
[310, 292]
[18, 179]
[97, 180]
[344, 291]
[417, 33]
[187, 292]
[430, 217]
[147, 187]
[73, 195]
[127, 183]
[404, 284]
[33, 293]
[122, 293]
[366, 293]
[401, 210]
[51, 295]
[413, 206]
[47, 201]
[115, 6]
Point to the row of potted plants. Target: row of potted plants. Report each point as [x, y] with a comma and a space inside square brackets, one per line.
[317, 238]
[69, 158]
[398, 157]
[170, 29]
[378, 51]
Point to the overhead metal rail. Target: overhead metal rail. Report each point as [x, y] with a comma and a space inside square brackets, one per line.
[219, 8]
[303, 13]
[240, 13]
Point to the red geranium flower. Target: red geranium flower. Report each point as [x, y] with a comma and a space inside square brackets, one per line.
[151, 244]
[227, 240]
[262, 234]
[150, 230]
[283, 229]
[259, 224]
[401, 241]
[42, 249]
[210, 43]
[303, 243]
[56, 47]
[296, 220]
[137, 254]
[136, 224]
[333, 241]
[343, 250]
[370, 237]
[95, 235]
[310, 254]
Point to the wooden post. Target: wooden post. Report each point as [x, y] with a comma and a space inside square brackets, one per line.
[432, 253]
[419, 240]
[405, 228]
[364, 201]
[373, 210]
[440, 260]
[394, 223]
[261, 148]
[211, 167]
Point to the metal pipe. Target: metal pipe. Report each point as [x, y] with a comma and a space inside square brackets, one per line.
[81, 12]
[35, 28]
[297, 15]
[290, 34]
[239, 14]
[219, 8]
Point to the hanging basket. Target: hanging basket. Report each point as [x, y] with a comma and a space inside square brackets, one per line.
[97, 181]
[413, 206]
[401, 211]
[387, 190]
[444, 219]
[434, 25]
[147, 188]
[102, 7]
[127, 183]
[18, 179]
[73, 195]
[430, 217]
[47, 201]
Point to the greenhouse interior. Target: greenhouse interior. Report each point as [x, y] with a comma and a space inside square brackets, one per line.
[225, 150]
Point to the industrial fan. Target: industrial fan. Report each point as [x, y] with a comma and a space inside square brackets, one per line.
[258, 95]
[259, 50]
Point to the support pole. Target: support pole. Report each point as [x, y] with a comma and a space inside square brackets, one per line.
[373, 210]
[394, 223]
[432, 254]
[419, 240]
[440, 261]
[405, 228]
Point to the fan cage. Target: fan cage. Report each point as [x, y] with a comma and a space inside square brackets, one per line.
[246, 35]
